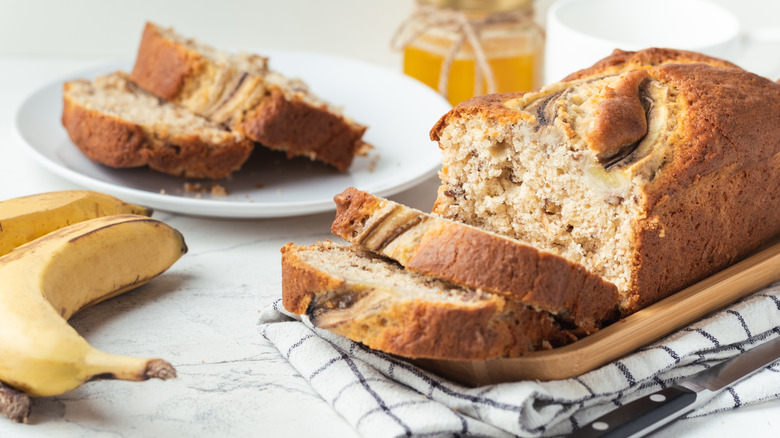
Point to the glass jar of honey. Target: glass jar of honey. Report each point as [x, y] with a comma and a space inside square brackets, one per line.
[466, 48]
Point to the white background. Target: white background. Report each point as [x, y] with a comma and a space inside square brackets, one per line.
[354, 28]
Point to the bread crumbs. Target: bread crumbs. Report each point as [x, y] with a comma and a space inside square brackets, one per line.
[372, 163]
[199, 189]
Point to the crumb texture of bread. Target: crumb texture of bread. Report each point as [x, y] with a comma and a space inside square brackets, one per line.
[652, 169]
[475, 258]
[241, 92]
[115, 122]
[372, 300]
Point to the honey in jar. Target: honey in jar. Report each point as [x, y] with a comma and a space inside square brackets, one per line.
[481, 46]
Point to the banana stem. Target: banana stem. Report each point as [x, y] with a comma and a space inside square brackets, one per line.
[159, 369]
[14, 404]
[102, 365]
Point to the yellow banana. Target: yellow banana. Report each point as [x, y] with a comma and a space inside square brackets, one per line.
[29, 217]
[46, 281]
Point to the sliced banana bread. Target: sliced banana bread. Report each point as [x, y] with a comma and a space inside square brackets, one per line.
[474, 258]
[241, 92]
[115, 122]
[372, 300]
[653, 169]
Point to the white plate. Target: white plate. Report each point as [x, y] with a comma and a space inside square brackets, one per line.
[398, 110]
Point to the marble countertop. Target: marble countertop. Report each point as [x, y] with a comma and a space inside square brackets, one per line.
[202, 315]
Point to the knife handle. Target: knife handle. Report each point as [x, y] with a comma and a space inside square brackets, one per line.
[641, 416]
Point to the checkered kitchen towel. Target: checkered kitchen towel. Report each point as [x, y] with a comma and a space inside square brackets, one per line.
[382, 396]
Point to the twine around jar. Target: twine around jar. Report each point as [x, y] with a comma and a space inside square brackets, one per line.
[466, 29]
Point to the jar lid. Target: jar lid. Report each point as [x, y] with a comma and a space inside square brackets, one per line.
[479, 5]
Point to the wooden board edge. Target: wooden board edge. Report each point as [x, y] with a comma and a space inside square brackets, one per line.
[624, 336]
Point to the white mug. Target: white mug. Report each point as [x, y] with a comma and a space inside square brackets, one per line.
[581, 32]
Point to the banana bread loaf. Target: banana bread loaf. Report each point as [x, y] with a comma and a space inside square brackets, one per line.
[476, 259]
[653, 169]
[372, 300]
[115, 122]
[241, 92]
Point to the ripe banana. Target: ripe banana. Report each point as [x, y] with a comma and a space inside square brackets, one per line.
[29, 217]
[46, 281]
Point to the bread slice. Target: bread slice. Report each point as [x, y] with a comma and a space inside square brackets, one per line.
[476, 259]
[241, 92]
[372, 300]
[653, 169]
[115, 122]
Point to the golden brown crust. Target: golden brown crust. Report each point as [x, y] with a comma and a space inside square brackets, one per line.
[300, 282]
[715, 202]
[279, 121]
[478, 259]
[698, 231]
[119, 143]
[189, 157]
[492, 105]
[731, 117]
[488, 105]
[102, 138]
[467, 330]
[620, 61]
[431, 331]
[299, 128]
[714, 198]
[162, 66]
[541, 280]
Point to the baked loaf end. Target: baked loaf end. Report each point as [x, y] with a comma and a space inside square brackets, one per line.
[476, 259]
[372, 300]
[653, 169]
[240, 91]
[116, 123]
[620, 61]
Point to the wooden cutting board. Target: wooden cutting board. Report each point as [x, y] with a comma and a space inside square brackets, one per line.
[625, 336]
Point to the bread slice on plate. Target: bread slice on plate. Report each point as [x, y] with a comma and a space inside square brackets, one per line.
[474, 258]
[241, 92]
[373, 300]
[653, 169]
[115, 122]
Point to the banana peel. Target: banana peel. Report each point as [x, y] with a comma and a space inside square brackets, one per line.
[46, 281]
[26, 218]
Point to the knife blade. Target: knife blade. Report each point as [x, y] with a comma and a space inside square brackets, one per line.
[648, 413]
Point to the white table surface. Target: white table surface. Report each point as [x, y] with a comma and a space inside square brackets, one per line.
[201, 315]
